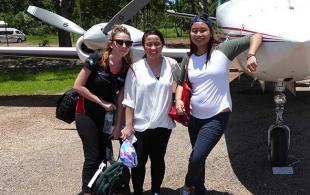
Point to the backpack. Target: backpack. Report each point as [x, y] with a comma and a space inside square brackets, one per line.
[65, 106]
[113, 180]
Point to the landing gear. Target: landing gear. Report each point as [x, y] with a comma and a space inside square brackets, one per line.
[278, 133]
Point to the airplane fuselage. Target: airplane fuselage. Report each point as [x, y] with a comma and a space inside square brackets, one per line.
[285, 53]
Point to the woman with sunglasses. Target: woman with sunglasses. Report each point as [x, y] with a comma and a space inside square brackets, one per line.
[148, 98]
[100, 84]
[207, 71]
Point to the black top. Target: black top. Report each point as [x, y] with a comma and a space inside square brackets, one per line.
[103, 84]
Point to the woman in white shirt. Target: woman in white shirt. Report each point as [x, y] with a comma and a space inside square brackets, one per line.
[148, 98]
[210, 104]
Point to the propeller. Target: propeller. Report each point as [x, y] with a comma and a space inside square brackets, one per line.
[93, 38]
[55, 20]
[125, 14]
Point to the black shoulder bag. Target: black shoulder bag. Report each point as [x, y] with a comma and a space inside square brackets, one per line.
[65, 106]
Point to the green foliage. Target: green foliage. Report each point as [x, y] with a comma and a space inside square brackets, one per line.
[87, 13]
[37, 40]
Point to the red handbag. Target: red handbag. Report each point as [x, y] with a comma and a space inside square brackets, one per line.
[185, 97]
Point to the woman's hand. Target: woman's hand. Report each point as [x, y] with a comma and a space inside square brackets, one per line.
[179, 105]
[127, 132]
[251, 63]
[108, 106]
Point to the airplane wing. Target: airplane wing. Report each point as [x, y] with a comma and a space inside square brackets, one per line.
[181, 15]
[71, 53]
[46, 52]
[185, 15]
[176, 53]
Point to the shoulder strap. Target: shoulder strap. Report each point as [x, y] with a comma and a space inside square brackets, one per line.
[186, 61]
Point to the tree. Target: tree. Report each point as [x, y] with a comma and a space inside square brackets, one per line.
[64, 8]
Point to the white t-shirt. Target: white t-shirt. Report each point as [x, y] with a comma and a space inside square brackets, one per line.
[151, 98]
[210, 84]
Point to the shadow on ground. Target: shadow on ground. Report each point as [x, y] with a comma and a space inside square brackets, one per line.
[29, 100]
[246, 139]
[169, 191]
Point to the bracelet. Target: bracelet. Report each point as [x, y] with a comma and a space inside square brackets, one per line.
[250, 55]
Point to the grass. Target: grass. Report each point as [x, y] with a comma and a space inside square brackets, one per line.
[47, 81]
[39, 83]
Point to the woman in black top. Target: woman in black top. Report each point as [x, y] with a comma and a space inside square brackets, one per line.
[100, 85]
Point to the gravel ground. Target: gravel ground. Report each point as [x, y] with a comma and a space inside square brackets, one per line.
[41, 155]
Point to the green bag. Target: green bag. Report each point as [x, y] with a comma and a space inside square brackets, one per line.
[114, 179]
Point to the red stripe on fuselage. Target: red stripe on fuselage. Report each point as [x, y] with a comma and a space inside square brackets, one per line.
[250, 31]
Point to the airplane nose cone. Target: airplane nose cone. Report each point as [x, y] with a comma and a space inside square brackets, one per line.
[94, 38]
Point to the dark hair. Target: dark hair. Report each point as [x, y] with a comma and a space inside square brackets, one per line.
[193, 47]
[153, 31]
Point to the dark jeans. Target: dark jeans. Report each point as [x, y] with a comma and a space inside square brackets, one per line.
[94, 146]
[204, 135]
[153, 143]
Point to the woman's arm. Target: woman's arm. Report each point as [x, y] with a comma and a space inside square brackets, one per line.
[255, 43]
[179, 104]
[129, 103]
[128, 130]
[79, 86]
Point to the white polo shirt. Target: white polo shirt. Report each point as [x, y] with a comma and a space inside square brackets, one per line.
[151, 98]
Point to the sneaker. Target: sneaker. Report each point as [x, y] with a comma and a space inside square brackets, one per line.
[185, 190]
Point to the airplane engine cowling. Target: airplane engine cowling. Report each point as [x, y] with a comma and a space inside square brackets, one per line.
[82, 50]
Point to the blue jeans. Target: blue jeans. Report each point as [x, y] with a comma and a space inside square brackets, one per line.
[204, 135]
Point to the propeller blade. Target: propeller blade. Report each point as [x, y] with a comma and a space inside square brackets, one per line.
[125, 14]
[55, 20]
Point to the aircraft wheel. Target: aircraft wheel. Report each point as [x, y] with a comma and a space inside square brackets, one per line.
[279, 147]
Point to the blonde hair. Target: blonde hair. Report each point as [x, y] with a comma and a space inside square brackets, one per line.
[106, 52]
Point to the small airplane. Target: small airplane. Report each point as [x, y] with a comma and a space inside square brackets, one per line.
[283, 58]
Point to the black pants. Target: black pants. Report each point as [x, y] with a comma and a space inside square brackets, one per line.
[94, 146]
[152, 143]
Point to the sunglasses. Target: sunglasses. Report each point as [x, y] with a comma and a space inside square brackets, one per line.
[121, 42]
